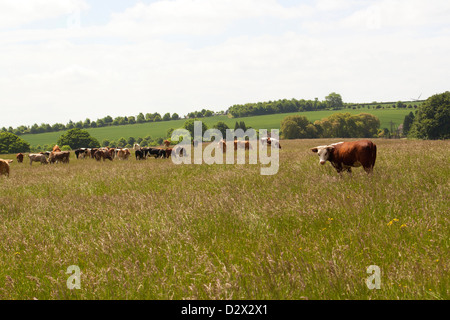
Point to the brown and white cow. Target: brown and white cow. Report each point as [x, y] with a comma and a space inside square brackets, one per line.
[345, 155]
[4, 167]
[267, 141]
[123, 154]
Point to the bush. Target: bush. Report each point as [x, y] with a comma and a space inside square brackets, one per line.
[66, 148]
[78, 138]
[10, 143]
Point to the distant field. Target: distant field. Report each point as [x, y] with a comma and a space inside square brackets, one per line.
[159, 129]
[155, 230]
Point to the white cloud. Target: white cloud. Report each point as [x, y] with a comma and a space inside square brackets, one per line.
[15, 13]
[61, 74]
[400, 13]
[199, 17]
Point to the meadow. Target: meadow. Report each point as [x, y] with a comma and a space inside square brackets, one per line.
[155, 230]
[159, 129]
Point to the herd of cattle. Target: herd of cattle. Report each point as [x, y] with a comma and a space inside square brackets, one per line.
[342, 155]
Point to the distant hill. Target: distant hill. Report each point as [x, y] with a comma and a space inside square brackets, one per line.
[271, 121]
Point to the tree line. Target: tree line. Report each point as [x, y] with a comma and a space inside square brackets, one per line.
[430, 121]
[104, 122]
[338, 125]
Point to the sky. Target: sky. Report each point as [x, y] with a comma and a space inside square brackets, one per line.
[64, 60]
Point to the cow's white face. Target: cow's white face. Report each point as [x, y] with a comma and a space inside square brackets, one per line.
[323, 152]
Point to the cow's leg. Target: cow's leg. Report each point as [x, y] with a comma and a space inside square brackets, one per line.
[369, 169]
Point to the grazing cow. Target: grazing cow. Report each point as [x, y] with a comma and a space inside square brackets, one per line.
[63, 156]
[80, 153]
[19, 157]
[166, 143]
[93, 150]
[179, 151]
[56, 149]
[139, 154]
[123, 154]
[127, 154]
[242, 144]
[345, 155]
[222, 144]
[268, 141]
[156, 152]
[37, 157]
[4, 167]
[102, 154]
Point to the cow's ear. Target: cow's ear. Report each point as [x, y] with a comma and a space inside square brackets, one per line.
[314, 150]
[329, 148]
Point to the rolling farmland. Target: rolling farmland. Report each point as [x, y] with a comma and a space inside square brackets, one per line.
[159, 129]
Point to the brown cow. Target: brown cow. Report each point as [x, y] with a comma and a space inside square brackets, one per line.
[168, 152]
[4, 167]
[166, 143]
[63, 157]
[19, 157]
[345, 155]
[102, 154]
[56, 149]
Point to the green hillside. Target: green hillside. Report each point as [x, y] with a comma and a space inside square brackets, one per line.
[159, 129]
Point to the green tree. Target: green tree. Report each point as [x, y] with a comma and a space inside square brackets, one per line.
[189, 126]
[10, 143]
[87, 123]
[121, 143]
[140, 118]
[295, 127]
[78, 138]
[169, 133]
[407, 123]
[106, 143]
[432, 120]
[166, 117]
[334, 101]
[222, 127]
[131, 141]
[175, 116]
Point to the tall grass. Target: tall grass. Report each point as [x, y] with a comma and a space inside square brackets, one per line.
[155, 230]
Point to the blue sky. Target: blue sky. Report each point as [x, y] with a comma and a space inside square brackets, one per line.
[64, 60]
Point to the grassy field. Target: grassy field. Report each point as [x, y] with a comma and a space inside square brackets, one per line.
[159, 129]
[155, 230]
